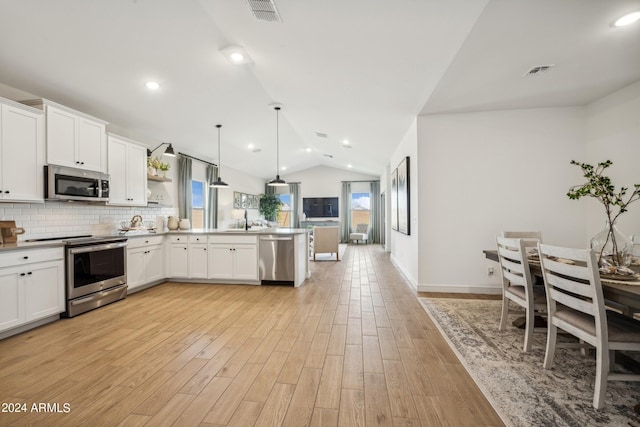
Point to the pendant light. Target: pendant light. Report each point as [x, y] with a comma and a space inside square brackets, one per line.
[219, 183]
[277, 182]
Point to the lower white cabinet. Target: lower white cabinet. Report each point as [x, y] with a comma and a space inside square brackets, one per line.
[145, 261]
[233, 257]
[178, 256]
[198, 259]
[31, 286]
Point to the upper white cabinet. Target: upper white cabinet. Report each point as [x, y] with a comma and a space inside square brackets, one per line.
[128, 170]
[21, 153]
[74, 139]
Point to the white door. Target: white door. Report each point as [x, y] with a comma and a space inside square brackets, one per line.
[118, 170]
[90, 144]
[198, 261]
[44, 290]
[136, 260]
[178, 260]
[137, 175]
[61, 137]
[220, 261]
[155, 263]
[246, 262]
[11, 300]
[21, 161]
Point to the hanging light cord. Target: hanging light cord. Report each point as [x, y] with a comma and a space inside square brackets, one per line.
[219, 161]
[277, 142]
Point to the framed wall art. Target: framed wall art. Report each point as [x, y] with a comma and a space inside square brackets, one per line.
[404, 214]
[394, 199]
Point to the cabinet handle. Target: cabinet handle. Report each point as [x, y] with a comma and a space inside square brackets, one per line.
[25, 257]
[22, 274]
[205, 249]
[146, 241]
[77, 162]
[82, 163]
[185, 249]
[7, 192]
[29, 273]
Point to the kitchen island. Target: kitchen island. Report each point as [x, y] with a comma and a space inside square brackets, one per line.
[219, 256]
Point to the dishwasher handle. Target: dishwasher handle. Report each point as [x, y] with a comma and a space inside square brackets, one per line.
[271, 239]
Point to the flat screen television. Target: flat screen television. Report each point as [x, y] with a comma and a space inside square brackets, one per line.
[320, 207]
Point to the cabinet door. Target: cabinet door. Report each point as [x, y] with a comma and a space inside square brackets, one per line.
[155, 263]
[246, 262]
[198, 261]
[220, 261]
[90, 145]
[137, 175]
[118, 170]
[21, 158]
[11, 299]
[61, 137]
[44, 290]
[136, 260]
[178, 261]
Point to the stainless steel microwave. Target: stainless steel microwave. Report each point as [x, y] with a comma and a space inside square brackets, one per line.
[64, 183]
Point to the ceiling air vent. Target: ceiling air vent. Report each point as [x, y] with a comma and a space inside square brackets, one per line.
[538, 70]
[264, 10]
[328, 156]
[321, 135]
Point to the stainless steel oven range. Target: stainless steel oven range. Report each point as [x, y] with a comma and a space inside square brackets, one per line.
[96, 272]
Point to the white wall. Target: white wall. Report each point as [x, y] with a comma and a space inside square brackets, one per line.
[404, 248]
[240, 182]
[325, 181]
[481, 173]
[613, 133]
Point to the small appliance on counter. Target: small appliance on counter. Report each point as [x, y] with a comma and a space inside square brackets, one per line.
[9, 232]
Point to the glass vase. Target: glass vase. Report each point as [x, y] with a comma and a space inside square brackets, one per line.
[613, 248]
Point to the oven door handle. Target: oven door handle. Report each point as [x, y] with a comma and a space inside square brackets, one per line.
[98, 295]
[94, 248]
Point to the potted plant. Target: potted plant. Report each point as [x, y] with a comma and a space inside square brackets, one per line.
[164, 167]
[269, 206]
[614, 248]
[153, 164]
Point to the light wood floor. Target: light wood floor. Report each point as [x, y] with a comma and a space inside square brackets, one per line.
[352, 347]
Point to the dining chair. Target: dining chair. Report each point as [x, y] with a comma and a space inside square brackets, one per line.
[526, 235]
[517, 285]
[576, 305]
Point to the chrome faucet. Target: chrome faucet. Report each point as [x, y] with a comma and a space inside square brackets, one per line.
[246, 221]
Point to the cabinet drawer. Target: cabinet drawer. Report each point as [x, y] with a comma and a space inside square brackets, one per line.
[233, 239]
[139, 242]
[22, 257]
[198, 239]
[184, 238]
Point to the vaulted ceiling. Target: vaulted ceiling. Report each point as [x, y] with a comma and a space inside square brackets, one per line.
[353, 70]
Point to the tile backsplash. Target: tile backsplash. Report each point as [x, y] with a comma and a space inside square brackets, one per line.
[53, 219]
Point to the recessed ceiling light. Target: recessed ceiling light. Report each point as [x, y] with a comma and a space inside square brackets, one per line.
[250, 146]
[236, 54]
[349, 166]
[345, 142]
[627, 19]
[152, 85]
[284, 168]
[308, 150]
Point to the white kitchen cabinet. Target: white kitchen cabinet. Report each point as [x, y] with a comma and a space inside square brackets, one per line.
[198, 259]
[21, 153]
[233, 257]
[74, 139]
[31, 285]
[178, 256]
[128, 170]
[145, 261]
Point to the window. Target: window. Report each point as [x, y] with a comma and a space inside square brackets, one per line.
[197, 204]
[284, 214]
[360, 208]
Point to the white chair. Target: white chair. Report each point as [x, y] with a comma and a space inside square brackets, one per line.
[517, 285]
[525, 235]
[576, 305]
[326, 240]
[361, 233]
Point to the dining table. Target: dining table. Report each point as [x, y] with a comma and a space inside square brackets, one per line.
[624, 293]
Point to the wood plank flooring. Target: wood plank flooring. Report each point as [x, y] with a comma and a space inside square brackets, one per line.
[352, 347]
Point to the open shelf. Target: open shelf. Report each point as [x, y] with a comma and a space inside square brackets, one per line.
[158, 178]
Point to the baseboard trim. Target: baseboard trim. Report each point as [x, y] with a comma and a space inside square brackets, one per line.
[405, 273]
[461, 289]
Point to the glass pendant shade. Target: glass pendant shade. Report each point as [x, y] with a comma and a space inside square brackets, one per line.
[278, 182]
[219, 183]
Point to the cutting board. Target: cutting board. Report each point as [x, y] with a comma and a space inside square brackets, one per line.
[6, 235]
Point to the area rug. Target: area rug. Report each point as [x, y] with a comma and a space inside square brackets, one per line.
[342, 248]
[519, 388]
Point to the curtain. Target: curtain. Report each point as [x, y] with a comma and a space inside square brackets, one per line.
[211, 212]
[294, 190]
[345, 212]
[374, 211]
[184, 187]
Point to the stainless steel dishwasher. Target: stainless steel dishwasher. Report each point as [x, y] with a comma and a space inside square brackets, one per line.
[276, 259]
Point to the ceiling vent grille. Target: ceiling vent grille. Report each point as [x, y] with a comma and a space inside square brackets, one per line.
[329, 156]
[264, 10]
[538, 70]
[321, 135]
